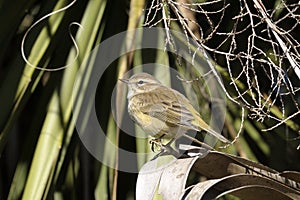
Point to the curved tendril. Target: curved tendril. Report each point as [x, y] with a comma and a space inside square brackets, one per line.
[72, 38]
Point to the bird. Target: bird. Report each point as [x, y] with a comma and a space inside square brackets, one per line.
[162, 112]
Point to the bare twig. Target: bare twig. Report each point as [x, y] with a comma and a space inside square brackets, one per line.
[271, 48]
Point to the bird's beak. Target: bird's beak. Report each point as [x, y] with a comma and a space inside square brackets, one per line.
[124, 80]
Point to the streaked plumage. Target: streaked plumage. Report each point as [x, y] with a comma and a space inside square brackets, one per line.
[162, 111]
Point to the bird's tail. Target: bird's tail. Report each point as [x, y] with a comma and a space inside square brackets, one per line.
[217, 135]
[201, 125]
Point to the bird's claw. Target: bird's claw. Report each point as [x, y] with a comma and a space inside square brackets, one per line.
[163, 149]
[156, 143]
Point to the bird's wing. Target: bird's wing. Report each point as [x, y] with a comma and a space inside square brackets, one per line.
[175, 110]
[168, 108]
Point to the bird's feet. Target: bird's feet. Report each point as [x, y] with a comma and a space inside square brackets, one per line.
[164, 149]
[156, 143]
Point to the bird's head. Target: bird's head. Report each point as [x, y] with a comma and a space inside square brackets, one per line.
[140, 83]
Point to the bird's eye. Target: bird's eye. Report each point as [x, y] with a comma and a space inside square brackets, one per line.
[140, 82]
